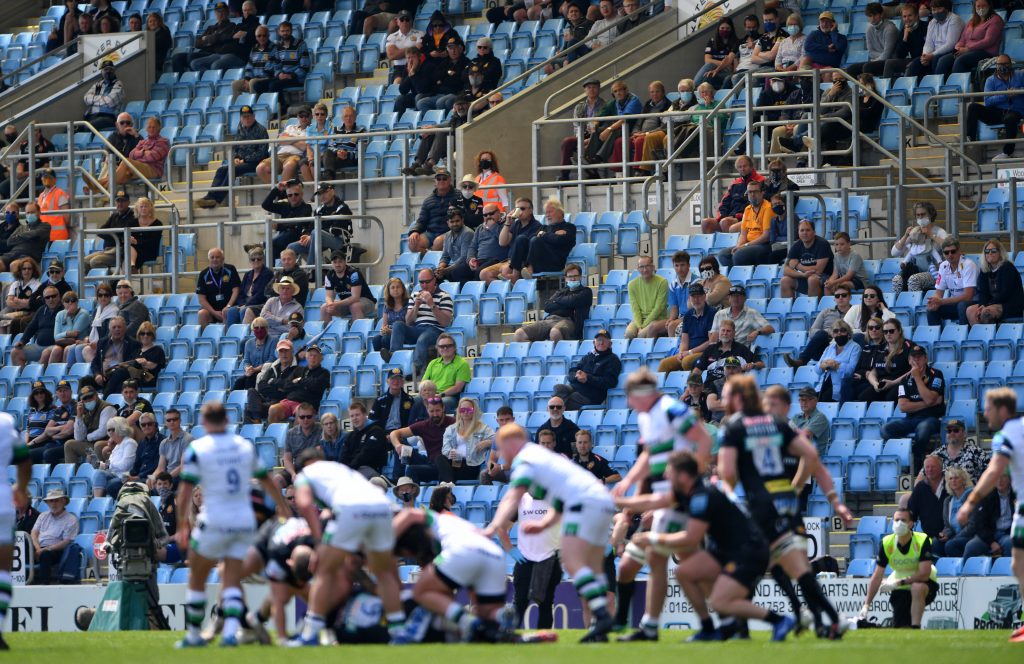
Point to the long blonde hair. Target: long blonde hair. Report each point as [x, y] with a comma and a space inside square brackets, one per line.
[893, 349]
[466, 430]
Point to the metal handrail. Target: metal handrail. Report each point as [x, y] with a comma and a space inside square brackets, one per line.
[961, 98]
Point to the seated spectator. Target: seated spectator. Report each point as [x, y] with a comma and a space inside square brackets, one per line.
[711, 363]
[811, 420]
[818, 336]
[960, 453]
[715, 386]
[147, 157]
[278, 309]
[143, 369]
[1000, 291]
[548, 250]
[872, 306]
[881, 38]
[693, 332]
[396, 302]
[808, 262]
[891, 367]
[928, 496]
[85, 350]
[291, 269]
[655, 145]
[133, 407]
[735, 202]
[566, 310]
[695, 398]
[26, 242]
[218, 288]
[752, 246]
[392, 409]
[848, 270]
[123, 216]
[837, 365]
[90, 428]
[147, 455]
[305, 434]
[112, 351]
[449, 371]
[120, 452]
[162, 40]
[145, 246]
[590, 379]
[466, 445]
[66, 29]
[744, 53]
[344, 291]
[101, 9]
[958, 487]
[454, 263]
[919, 250]
[417, 81]
[39, 333]
[431, 311]
[648, 300]
[397, 42]
[577, 29]
[955, 286]
[246, 157]
[595, 463]
[510, 10]
[490, 180]
[909, 44]
[431, 431]
[427, 233]
[447, 75]
[749, 322]
[86, 26]
[657, 103]
[922, 398]
[825, 47]
[778, 94]
[130, 307]
[497, 469]
[258, 351]
[289, 63]
[25, 516]
[944, 30]
[517, 229]
[873, 351]
[366, 446]
[439, 33]
[54, 531]
[769, 42]
[999, 109]
[306, 384]
[589, 108]
[988, 533]
[834, 132]
[252, 295]
[256, 63]
[871, 109]
[340, 153]
[215, 48]
[332, 440]
[293, 206]
[980, 40]
[317, 146]
[602, 141]
[678, 291]
[288, 157]
[562, 429]
[270, 383]
[17, 310]
[600, 35]
[485, 249]
[719, 55]
[57, 429]
[40, 412]
[634, 16]
[715, 284]
[105, 100]
[433, 148]
[172, 446]
[791, 49]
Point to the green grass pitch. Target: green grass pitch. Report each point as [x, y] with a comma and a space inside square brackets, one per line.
[859, 647]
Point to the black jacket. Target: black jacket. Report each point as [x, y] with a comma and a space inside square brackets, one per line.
[926, 508]
[490, 66]
[472, 210]
[382, 407]
[448, 74]
[602, 371]
[434, 213]
[131, 351]
[306, 385]
[912, 47]
[367, 447]
[40, 328]
[298, 275]
[571, 303]
[983, 521]
[274, 204]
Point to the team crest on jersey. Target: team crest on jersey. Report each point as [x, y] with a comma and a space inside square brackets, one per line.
[729, 568]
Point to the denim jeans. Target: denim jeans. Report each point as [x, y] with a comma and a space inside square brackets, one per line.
[424, 336]
[327, 242]
[427, 102]
[704, 74]
[920, 429]
[216, 61]
[220, 179]
[957, 312]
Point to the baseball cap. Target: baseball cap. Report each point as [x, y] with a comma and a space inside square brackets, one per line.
[807, 393]
[955, 423]
[324, 186]
[63, 384]
[732, 361]
[47, 173]
[107, 63]
[592, 81]
[130, 384]
[339, 254]
[442, 174]
[736, 289]
[918, 350]
[295, 318]
[603, 333]
[697, 288]
[245, 109]
[284, 344]
[220, 6]
[86, 391]
[313, 348]
[39, 386]
[453, 41]
[826, 14]
[121, 196]
[395, 373]
[404, 14]
[57, 264]
[694, 378]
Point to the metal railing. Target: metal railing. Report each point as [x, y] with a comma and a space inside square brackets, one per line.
[963, 99]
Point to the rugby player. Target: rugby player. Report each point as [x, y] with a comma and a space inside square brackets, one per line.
[12, 451]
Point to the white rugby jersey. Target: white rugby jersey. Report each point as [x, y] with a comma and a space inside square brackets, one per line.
[223, 463]
[336, 486]
[1009, 442]
[553, 478]
[12, 450]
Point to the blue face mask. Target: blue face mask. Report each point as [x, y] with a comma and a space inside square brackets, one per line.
[686, 97]
[11, 217]
[572, 284]
[792, 29]
[769, 26]
[90, 405]
[31, 218]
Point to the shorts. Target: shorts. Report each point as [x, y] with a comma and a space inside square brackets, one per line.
[801, 285]
[33, 352]
[772, 523]
[289, 406]
[591, 521]
[215, 543]
[1017, 527]
[369, 308]
[901, 601]
[540, 330]
[282, 161]
[480, 567]
[746, 567]
[7, 529]
[356, 527]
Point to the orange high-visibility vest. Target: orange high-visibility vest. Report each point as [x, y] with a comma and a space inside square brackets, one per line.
[58, 222]
[492, 195]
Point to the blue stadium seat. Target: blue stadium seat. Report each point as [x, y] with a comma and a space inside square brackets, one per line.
[948, 566]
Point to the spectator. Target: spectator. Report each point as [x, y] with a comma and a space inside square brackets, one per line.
[872, 306]
[891, 368]
[86, 26]
[448, 371]
[602, 142]
[693, 332]
[133, 407]
[913, 583]
[270, 382]
[316, 145]
[306, 384]
[566, 310]
[162, 39]
[655, 144]
[252, 294]
[960, 453]
[120, 453]
[980, 40]
[562, 430]
[293, 206]
[719, 55]
[40, 412]
[482, 75]
[577, 29]
[288, 65]
[656, 103]
[768, 44]
[873, 351]
[288, 158]
[417, 80]
[143, 369]
[791, 49]
[305, 434]
[996, 109]
[824, 48]
[589, 108]
[26, 242]
[469, 203]
[1000, 292]
[123, 216]
[65, 31]
[116, 348]
[744, 54]
[428, 231]
[257, 60]
[49, 444]
[818, 335]
[433, 148]
[173, 445]
[38, 334]
[15, 315]
[147, 157]
[928, 495]
[490, 180]
[345, 294]
[716, 285]
[634, 16]
[289, 268]
[466, 444]
[988, 533]
[105, 310]
[648, 300]
[431, 432]
[341, 153]
[909, 45]
[447, 75]
[278, 309]
[454, 263]
[881, 38]
[366, 446]
[497, 470]
[597, 465]
[752, 246]
[130, 307]
[398, 41]
[518, 228]
[712, 362]
[214, 43]
[485, 250]
[808, 261]
[439, 33]
[392, 409]
[958, 487]
[749, 322]
[101, 9]
[548, 250]
[601, 33]
[781, 92]
[396, 302]
[41, 146]
[147, 455]
[10, 223]
[218, 288]
[430, 311]
[678, 290]
[54, 531]
[848, 270]
[25, 516]
[955, 287]
[811, 420]
[922, 398]
[104, 102]
[838, 364]
[55, 278]
[592, 376]
[735, 201]
[246, 157]
[919, 250]
[944, 30]
[124, 139]
[52, 199]
[332, 441]
[145, 246]
[259, 350]
[714, 385]
[510, 10]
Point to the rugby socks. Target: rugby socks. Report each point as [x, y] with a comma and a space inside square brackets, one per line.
[782, 580]
[454, 612]
[311, 628]
[592, 588]
[234, 608]
[649, 625]
[707, 624]
[727, 627]
[816, 599]
[773, 618]
[6, 587]
[195, 611]
[395, 620]
[626, 590]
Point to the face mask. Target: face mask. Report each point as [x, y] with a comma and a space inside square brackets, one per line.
[778, 86]
[476, 81]
[923, 221]
[841, 339]
[900, 528]
[752, 34]
[725, 34]
[1003, 69]
[982, 12]
[467, 194]
[11, 138]
[260, 333]
[923, 19]
[165, 493]
[31, 218]
[939, 16]
[779, 209]
[792, 30]
[486, 164]
[11, 217]
[108, 76]
[776, 175]
[572, 284]
[707, 274]
[769, 26]
[405, 497]
[90, 405]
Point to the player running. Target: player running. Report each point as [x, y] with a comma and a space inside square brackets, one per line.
[361, 520]
[221, 463]
[12, 451]
[765, 453]
[666, 425]
[736, 557]
[1007, 457]
[582, 503]
[467, 560]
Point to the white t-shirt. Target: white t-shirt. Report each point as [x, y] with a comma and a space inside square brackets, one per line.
[403, 42]
[223, 463]
[1009, 442]
[12, 450]
[338, 486]
[538, 546]
[287, 149]
[954, 282]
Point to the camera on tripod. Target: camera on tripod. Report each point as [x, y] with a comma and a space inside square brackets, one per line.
[133, 554]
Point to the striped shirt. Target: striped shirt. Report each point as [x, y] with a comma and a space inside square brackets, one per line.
[663, 430]
[425, 313]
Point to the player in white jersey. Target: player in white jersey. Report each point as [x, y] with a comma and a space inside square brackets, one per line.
[360, 521]
[582, 503]
[222, 463]
[666, 426]
[1007, 457]
[12, 451]
[466, 559]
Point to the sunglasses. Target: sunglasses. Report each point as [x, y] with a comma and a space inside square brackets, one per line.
[874, 327]
[295, 195]
[56, 271]
[468, 187]
[556, 407]
[949, 252]
[103, 294]
[433, 401]
[255, 259]
[403, 19]
[146, 334]
[319, 113]
[888, 331]
[483, 48]
[149, 424]
[953, 429]
[445, 346]
[303, 417]
[168, 420]
[51, 297]
[871, 295]
[839, 295]
[70, 301]
[125, 124]
[425, 281]
[991, 251]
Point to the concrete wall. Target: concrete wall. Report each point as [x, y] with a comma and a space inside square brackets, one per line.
[19, 13]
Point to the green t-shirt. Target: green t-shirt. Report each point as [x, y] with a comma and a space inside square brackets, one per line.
[446, 375]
